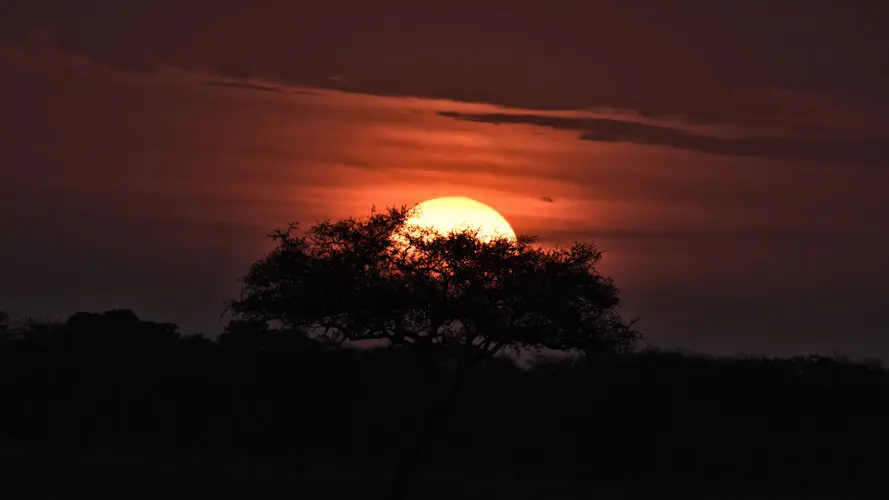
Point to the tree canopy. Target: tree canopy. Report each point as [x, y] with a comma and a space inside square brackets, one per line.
[375, 277]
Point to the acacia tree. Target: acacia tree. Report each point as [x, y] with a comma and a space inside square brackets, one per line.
[377, 278]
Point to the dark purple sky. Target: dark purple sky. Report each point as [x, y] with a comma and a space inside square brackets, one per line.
[731, 157]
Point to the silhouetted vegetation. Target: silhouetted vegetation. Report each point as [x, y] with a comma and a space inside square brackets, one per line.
[457, 295]
[280, 383]
[113, 380]
[375, 278]
[650, 417]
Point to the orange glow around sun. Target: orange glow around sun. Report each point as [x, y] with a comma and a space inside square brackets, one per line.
[455, 213]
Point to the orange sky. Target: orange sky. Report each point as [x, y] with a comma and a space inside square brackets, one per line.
[154, 192]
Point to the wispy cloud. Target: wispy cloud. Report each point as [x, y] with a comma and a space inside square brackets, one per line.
[242, 85]
[863, 150]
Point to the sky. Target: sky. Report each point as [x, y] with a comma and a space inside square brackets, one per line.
[731, 158]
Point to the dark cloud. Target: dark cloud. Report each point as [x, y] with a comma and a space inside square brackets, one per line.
[737, 237]
[547, 199]
[242, 85]
[863, 150]
[660, 58]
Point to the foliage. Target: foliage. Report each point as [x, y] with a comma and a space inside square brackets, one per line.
[375, 278]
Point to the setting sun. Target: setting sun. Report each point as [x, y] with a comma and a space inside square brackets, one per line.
[454, 213]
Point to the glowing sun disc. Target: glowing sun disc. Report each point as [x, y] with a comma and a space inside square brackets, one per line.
[456, 213]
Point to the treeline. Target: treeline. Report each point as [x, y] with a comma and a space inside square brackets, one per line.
[112, 379]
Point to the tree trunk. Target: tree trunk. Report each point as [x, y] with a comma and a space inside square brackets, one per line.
[407, 466]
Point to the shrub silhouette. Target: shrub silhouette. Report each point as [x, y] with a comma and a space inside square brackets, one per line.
[376, 278]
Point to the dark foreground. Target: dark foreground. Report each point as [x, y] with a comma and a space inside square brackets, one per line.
[62, 473]
[116, 406]
[34, 472]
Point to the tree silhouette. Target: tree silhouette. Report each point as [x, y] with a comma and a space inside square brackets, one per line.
[377, 278]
